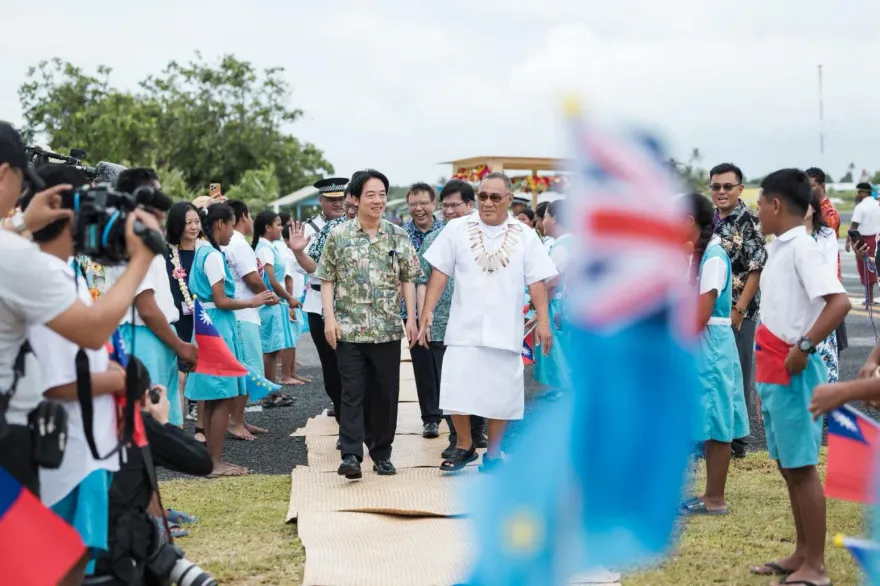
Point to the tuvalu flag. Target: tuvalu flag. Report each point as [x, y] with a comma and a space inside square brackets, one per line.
[852, 452]
[865, 552]
[215, 357]
[38, 546]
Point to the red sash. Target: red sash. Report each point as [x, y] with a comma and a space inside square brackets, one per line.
[770, 355]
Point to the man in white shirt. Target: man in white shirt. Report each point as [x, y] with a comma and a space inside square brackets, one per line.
[248, 277]
[492, 257]
[79, 490]
[32, 293]
[332, 199]
[147, 330]
[866, 221]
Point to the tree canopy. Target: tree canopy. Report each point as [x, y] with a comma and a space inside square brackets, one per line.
[196, 123]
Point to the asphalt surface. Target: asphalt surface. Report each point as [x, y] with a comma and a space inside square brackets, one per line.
[278, 453]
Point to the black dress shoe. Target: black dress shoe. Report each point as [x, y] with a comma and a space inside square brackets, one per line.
[350, 467]
[384, 468]
[331, 412]
[431, 430]
[338, 444]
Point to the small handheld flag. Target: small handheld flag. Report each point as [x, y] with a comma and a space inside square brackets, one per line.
[852, 452]
[865, 552]
[28, 532]
[215, 357]
[259, 387]
[528, 348]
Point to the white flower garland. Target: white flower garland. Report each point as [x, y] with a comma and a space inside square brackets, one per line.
[179, 275]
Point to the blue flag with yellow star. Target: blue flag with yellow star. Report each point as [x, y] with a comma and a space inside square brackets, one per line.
[595, 480]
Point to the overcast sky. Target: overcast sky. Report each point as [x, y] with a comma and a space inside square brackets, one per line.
[402, 85]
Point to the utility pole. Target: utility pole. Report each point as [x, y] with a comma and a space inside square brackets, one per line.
[821, 120]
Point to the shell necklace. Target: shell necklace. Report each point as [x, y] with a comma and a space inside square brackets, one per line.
[179, 275]
[493, 261]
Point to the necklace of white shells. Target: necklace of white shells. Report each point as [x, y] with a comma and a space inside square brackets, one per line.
[179, 275]
[493, 261]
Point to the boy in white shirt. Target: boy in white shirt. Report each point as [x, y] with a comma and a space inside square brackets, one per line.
[865, 221]
[79, 490]
[801, 304]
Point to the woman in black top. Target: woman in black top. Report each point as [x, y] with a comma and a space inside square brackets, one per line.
[182, 231]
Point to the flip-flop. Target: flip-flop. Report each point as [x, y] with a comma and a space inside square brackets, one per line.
[177, 531]
[805, 583]
[775, 570]
[200, 430]
[698, 508]
[689, 501]
[180, 518]
[229, 472]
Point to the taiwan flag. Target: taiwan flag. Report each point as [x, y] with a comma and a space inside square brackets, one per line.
[528, 348]
[215, 357]
[38, 546]
[852, 453]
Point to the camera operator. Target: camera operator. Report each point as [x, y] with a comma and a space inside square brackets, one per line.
[79, 489]
[138, 553]
[148, 332]
[33, 293]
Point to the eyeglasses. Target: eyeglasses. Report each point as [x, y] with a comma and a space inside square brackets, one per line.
[495, 197]
[726, 186]
[452, 205]
[420, 204]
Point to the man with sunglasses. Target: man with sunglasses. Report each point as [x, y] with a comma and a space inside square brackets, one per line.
[492, 256]
[740, 233]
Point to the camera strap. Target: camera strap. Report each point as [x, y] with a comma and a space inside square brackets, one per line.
[18, 367]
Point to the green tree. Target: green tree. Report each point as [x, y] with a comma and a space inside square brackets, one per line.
[875, 179]
[257, 188]
[848, 178]
[692, 176]
[213, 123]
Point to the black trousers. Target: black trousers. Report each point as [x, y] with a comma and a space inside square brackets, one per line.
[427, 383]
[16, 457]
[370, 376]
[327, 355]
[438, 351]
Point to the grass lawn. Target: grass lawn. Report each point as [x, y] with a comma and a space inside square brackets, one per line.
[242, 538]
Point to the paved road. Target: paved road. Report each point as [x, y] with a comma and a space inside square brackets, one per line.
[277, 453]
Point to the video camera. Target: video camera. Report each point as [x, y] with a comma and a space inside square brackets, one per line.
[100, 214]
[103, 172]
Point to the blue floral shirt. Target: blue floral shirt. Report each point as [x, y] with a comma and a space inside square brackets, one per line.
[417, 237]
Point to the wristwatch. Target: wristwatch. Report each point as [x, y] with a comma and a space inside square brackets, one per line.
[806, 345]
[18, 223]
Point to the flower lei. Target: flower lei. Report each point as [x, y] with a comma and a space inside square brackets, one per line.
[179, 275]
[94, 274]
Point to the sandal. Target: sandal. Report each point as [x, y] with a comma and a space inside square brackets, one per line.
[775, 570]
[698, 508]
[459, 459]
[232, 471]
[180, 518]
[200, 430]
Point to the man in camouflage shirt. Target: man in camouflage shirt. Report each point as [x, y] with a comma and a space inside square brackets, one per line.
[365, 264]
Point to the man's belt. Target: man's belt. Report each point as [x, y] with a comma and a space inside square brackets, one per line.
[315, 287]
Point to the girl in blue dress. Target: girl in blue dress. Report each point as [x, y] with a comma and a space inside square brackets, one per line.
[210, 281]
[718, 363]
[274, 320]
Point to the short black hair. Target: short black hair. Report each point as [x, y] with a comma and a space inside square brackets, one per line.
[358, 180]
[727, 168]
[285, 218]
[54, 174]
[421, 187]
[817, 174]
[863, 186]
[454, 186]
[175, 223]
[792, 187]
[130, 179]
[542, 209]
[530, 214]
[240, 208]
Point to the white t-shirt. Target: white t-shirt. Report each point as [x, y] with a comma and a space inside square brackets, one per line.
[157, 281]
[713, 276]
[291, 267]
[265, 255]
[215, 268]
[794, 281]
[243, 261]
[867, 214]
[33, 291]
[57, 367]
